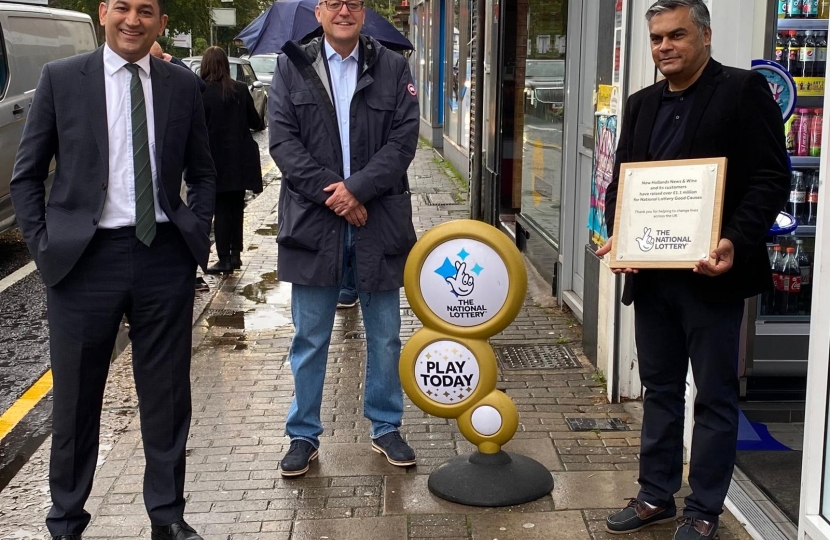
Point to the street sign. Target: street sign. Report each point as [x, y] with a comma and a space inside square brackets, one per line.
[182, 40]
[223, 16]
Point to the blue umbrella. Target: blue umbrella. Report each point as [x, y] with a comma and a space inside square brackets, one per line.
[292, 20]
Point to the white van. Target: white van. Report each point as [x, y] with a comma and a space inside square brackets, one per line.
[30, 36]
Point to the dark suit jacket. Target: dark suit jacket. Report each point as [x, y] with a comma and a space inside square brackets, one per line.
[733, 116]
[68, 121]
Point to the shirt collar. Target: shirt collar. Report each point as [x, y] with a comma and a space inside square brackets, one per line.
[113, 62]
[331, 53]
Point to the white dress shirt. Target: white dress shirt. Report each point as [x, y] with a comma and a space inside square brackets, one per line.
[119, 207]
[343, 75]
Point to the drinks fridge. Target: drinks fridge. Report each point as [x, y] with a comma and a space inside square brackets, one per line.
[774, 359]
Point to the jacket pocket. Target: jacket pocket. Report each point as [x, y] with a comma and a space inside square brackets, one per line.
[392, 218]
[300, 224]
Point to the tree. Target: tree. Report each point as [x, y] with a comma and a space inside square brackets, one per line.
[385, 8]
[184, 16]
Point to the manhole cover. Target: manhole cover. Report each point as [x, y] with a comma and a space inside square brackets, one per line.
[537, 357]
[594, 424]
[440, 199]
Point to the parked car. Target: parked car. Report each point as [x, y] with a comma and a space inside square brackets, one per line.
[264, 65]
[241, 71]
[545, 84]
[30, 36]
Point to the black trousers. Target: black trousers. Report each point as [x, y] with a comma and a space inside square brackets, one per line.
[227, 222]
[672, 326]
[153, 286]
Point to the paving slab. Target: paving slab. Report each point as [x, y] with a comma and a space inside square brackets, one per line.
[600, 489]
[351, 459]
[410, 495]
[391, 528]
[531, 526]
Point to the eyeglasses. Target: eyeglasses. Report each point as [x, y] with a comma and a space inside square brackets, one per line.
[337, 5]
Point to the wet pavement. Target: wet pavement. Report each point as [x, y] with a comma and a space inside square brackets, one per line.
[242, 388]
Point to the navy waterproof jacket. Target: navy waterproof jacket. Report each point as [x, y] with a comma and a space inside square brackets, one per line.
[305, 145]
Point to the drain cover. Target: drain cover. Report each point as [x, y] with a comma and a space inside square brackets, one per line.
[537, 357]
[594, 424]
[440, 199]
[355, 335]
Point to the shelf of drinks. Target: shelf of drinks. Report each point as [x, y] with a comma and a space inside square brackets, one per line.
[803, 24]
[805, 161]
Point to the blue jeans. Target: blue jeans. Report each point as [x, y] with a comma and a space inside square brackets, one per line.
[313, 309]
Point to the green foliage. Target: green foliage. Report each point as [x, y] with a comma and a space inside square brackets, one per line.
[186, 16]
[385, 8]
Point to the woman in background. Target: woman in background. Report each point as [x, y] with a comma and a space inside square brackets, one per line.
[230, 116]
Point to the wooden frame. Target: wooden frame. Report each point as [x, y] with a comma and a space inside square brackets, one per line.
[717, 212]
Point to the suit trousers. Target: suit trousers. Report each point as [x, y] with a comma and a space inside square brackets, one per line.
[153, 286]
[673, 326]
[228, 221]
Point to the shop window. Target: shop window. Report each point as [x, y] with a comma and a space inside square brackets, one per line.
[540, 108]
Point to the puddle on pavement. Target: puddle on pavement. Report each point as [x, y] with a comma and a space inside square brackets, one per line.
[268, 230]
[266, 292]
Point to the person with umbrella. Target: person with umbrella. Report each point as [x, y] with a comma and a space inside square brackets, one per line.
[343, 119]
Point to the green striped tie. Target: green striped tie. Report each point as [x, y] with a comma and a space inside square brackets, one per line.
[145, 211]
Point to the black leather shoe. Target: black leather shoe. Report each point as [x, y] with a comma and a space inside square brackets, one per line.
[236, 261]
[295, 462]
[177, 531]
[637, 515]
[224, 266]
[397, 452]
[67, 537]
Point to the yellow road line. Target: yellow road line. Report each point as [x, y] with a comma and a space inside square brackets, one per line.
[267, 168]
[26, 403]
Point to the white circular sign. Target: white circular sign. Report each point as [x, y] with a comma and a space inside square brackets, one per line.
[447, 372]
[464, 282]
[486, 420]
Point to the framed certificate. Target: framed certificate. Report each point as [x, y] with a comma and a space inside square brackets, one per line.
[668, 213]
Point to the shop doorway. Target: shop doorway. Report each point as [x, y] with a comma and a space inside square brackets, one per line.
[579, 149]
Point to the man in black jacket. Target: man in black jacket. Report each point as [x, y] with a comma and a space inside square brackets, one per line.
[702, 109]
[344, 124]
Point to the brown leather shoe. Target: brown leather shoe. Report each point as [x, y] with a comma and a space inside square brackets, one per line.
[637, 515]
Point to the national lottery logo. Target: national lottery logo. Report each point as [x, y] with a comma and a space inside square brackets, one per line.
[464, 282]
[455, 274]
[661, 239]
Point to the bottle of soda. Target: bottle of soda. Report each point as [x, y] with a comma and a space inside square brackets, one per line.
[780, 48]
[777, 266]
[806, 270]
[789, 285]
[807, 61]
[812, 199]
[768, 298]
[823, 9]
[809, 9]
[802, 141]
[798, 196]
[794, 8]
[792, 132]
[783, 5]
[821, 53]
[793, 53]
[815, 133]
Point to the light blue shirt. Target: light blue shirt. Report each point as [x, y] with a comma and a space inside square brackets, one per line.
[343, 73]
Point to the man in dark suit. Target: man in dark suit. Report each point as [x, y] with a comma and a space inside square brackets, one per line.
[702, 109]
[115, 238]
